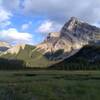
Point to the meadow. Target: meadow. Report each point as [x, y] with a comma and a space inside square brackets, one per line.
[49, 85]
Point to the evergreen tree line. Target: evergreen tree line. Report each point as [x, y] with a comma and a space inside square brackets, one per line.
[6, 64]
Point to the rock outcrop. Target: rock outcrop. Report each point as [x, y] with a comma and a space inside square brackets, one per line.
[14, 49]
[72, 37]
[81, 31]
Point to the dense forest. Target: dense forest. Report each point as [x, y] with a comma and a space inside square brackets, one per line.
[88, 58]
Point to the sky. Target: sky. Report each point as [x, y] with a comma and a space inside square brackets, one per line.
[29, 21]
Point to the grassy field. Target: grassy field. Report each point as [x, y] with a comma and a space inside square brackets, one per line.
[49, 85]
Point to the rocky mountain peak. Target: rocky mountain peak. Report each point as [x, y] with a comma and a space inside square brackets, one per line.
[73, 36]
[80, 30]
[71, 24]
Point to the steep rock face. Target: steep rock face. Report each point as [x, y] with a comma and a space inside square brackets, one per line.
[81, 31]
[4, 46]
[72, 37]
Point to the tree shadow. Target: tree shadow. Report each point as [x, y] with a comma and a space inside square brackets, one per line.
[12, 64]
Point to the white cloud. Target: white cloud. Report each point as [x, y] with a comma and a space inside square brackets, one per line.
[12, 35]
[26, 26]
[45, 27]
[48, 26]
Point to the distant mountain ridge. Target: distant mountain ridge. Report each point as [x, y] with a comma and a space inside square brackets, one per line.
[57, 47]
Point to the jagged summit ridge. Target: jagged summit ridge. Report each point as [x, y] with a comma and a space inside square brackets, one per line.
[71, 24]
[73, 36]
[81, 30]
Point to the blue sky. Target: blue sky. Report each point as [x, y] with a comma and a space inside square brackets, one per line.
[28, 24]
[29, 21]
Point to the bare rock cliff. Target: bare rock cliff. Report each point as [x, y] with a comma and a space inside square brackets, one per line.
[73, 36]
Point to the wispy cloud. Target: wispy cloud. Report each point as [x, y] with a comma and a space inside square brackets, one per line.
[5, 17]
[48, 26]
[26, 26]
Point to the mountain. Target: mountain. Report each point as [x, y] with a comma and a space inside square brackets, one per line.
[84, 32]
[72, 37]
[57, 48]
[24, 56]
[14, 49]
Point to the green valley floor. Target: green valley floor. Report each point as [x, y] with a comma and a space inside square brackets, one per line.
[49, 85]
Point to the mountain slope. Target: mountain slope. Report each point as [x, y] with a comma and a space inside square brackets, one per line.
[28, 55]
[56, 48]
[88, 58]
